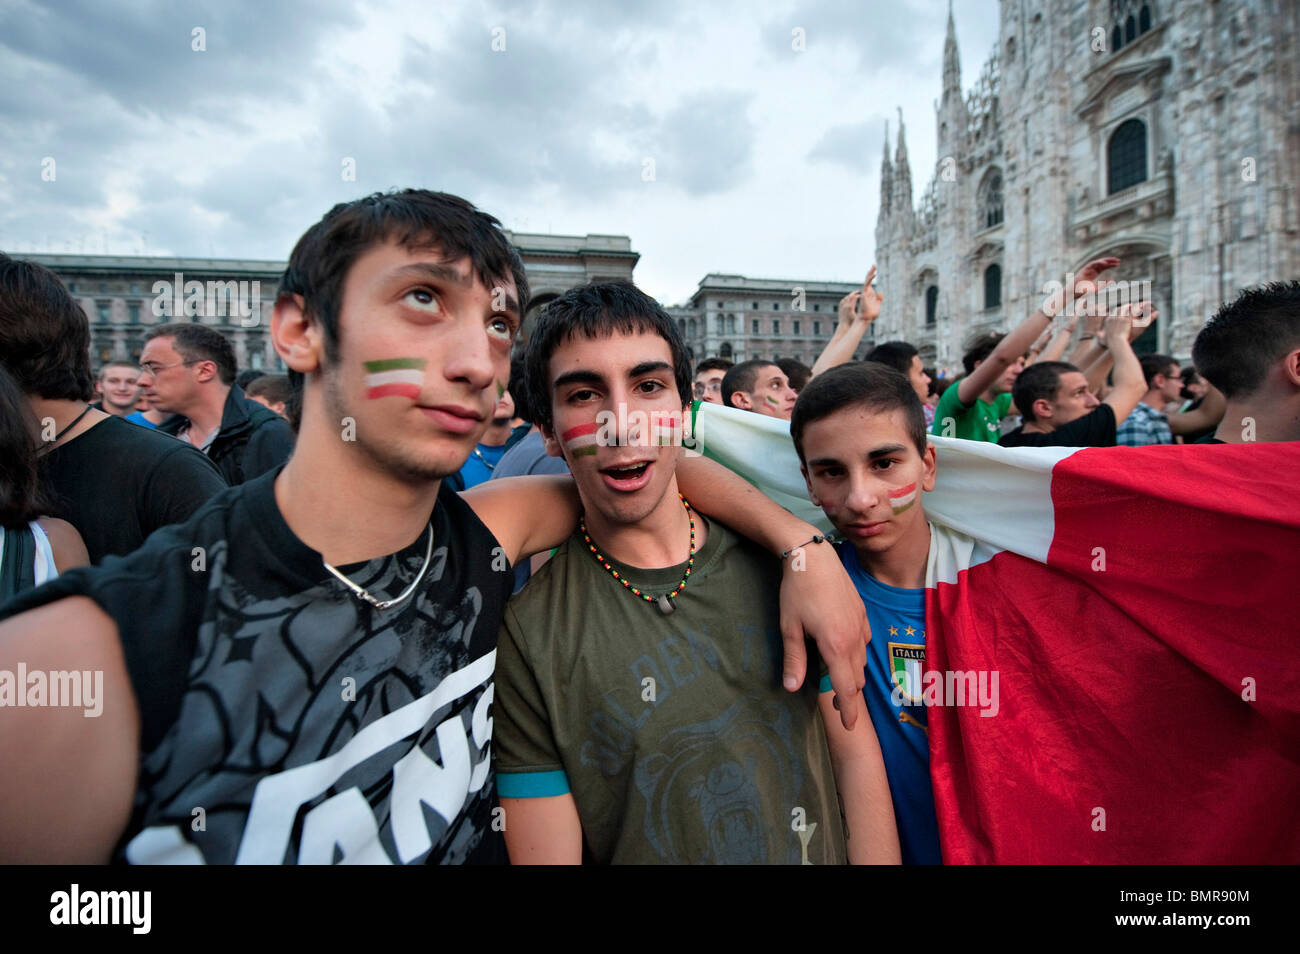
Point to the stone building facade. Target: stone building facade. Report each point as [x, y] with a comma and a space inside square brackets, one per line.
[735, 317]
[124, 295]
[1163, 133]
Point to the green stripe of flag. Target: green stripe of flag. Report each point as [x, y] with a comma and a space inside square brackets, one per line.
[395, 364]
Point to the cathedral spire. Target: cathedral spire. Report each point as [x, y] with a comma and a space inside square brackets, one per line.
[902, 198]
[886, 175]
[951, 61]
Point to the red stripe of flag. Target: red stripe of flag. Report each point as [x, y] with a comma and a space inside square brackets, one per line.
[388, 390]
[582, 430]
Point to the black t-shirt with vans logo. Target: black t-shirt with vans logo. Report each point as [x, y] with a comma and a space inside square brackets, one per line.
[286, 721]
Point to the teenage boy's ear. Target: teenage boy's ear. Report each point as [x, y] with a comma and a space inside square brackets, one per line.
[296, 336]
[930, 467]
[1042, 409]
[812, 494]
[550, 442]
[742, 400]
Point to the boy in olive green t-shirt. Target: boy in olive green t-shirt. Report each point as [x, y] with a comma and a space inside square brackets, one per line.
[639, 714]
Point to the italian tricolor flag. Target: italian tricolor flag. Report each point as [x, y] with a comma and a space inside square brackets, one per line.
[580, 441]
[1138, 605]
[395, 376]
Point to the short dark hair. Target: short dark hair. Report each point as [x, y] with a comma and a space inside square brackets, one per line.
[1041, 380]
[599, 309]
[248, 376]
[415, 219]
[933, 375]
[741, 377]
[200, 343]
[796, 372]
[99, 375]
[44, 334]
[1189, 376]
[273, 387]
[518, 387]
[897, 354]
[1236, 348]
[875, 386]
[1153, 364]
[714, 364]
[980, 348]
[22, 498]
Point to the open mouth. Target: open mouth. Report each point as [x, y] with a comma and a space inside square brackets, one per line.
[627, 477]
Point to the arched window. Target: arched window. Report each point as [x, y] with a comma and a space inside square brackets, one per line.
[990, 200]
[725, 350]
[1130, 29]
[1126, 156]
[681, 326]
[993, 286]
[1116, 38]
[1144, 18]
[692, 326]
[931, 305]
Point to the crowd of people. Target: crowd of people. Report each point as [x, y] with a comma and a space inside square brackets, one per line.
[416, 601]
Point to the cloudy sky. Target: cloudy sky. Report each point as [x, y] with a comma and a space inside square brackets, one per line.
[766, 159]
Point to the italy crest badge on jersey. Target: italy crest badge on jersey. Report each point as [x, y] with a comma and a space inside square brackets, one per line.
[906, 661]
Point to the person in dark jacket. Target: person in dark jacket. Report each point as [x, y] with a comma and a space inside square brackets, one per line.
[189, 369]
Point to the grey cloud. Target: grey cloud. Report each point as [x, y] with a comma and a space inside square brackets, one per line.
[881, 38]
[856, 146]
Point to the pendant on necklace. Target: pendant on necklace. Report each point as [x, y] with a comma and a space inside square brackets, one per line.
[666, 605]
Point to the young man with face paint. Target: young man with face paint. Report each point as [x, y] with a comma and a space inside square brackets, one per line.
[759, 386]
[313, 650]
[860, 433]
[640, 715]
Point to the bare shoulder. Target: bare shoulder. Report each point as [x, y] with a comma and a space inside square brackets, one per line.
[69, 549]
[71, 750]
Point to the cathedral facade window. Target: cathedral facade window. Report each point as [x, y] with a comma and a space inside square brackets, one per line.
[989, 200]
[1131, 19]
[1126, 156]
[931, 305]
[993, 286]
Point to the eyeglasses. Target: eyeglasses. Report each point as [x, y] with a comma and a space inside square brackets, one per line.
[701, 388]
[150, 368]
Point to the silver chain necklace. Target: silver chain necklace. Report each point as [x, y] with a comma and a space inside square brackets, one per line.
[479, 455]
[363, 594]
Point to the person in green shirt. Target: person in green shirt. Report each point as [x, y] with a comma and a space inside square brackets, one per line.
[973, 408]
[639, 715]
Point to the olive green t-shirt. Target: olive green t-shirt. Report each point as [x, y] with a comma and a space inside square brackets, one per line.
[673, 733]
[979, 422]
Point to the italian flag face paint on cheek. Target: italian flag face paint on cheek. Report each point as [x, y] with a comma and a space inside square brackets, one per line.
[772, 401]
[667, 430]
[395, 376]
[902, 498]
[580, 441]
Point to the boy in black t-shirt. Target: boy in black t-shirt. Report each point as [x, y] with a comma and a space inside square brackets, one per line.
[1057, 406]
[302, 671]
[116, 483]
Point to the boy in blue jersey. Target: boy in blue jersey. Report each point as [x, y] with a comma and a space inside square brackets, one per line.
[860, 433]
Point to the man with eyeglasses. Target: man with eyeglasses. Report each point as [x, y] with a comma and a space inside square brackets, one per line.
[189, 369]
[708, 379]
[115, 482]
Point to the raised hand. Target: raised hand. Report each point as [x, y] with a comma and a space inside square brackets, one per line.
[848, 308]
[869, 299]
[1085, 284]
[1118, 325]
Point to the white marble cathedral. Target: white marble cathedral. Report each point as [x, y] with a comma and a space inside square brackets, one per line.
[1165, 133]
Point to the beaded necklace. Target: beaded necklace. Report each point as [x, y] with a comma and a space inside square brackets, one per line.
[665, 602]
